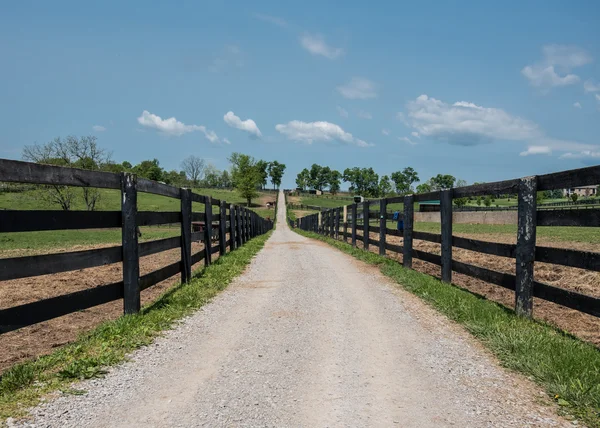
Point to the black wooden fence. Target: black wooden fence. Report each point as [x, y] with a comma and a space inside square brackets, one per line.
[525, 252]
[241, 224]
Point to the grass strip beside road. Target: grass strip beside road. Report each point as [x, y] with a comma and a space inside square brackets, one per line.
[566, 367]
[24, 384]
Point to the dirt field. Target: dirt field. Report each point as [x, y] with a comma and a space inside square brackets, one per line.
[584, 326]
[42, 338]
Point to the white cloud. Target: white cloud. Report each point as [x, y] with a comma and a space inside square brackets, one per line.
[577, 105]
[247, 125]
[98, 128]
[318, 131]
[581, 155]
[554, 69]
[358, 88]
[467, 124]
[342, 111]
[226, 141]
[591, 86]
[316, 45]
[173, 127]
[364, 114]
[407, 140]
[537, 150]
[385, 132]
[275, 20]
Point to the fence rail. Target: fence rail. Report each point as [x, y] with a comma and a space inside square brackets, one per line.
[240, 223]
[525, 252]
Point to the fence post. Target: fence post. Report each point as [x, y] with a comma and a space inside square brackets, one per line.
[222, 228]
[319, 221]
[207, 230]
[232, 237]
[186, 234]
[345, 223]
[525, 252]
[446, 224]
[129, 240]
[408, 231]
[382, 225]
[366, 225]
[238, 224]
[337, 223]
[354, 215]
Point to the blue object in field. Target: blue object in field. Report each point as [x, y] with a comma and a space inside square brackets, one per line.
[396, 216]
[400, 224]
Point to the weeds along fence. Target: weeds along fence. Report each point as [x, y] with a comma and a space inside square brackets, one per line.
[238, 222]
[334, 223]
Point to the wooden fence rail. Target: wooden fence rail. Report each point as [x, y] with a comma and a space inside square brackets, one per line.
[240, 223]
[525, 252]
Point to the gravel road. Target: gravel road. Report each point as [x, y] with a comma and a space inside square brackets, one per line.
[307, 337]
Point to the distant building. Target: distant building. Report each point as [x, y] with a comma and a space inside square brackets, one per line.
[429, 206]
[583, 191]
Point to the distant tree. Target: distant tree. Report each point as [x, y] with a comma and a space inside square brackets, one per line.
[262, 169]
[149, 169]
[194, 168]
[574, 197]
[363, 181]
[424, 188]
[385, 186]
[314, 177]
[303, 179]
[487, 201]
[83, 152]
[276, 171]
[127, 165]
[479, 200]
[175, 178]
[442, 182]
[115, 168]
[460, 202]
[246, 176]
[403, 180]
[212, 177]
[461, 183]
[334, 182]
[226, 180]
[540, 196]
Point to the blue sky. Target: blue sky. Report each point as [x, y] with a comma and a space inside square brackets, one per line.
[481, 90]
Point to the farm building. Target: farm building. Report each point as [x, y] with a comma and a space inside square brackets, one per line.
[583, 191]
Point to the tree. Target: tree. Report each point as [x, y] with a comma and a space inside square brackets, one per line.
[461, 183]
[212, 176]
[487, 201]
[574, 197]
[262, 168]
[363, 181]
[385, 186]
[403, 180]
[194, 167]
[74, 152]
[314, 175]
[246, 176]
[226, 180]
[334, 182]
[149, 169]
[276, 171]
[479, 200]
[424, 188]
[460, 202]
[442, 182]
[303, 179]
[127, 165]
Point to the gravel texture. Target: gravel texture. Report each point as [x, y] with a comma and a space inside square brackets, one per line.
[307, 337]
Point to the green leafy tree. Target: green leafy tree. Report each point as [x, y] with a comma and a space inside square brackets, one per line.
[303, 179]
[246, 176]
[385, 186]
[424, 188]
[460, 202]
[314, 177]
[364, 181]
[574, 197]
[403, 180]
[276, 171]
[334, 181]
[487, 201]
[127, 165]
[479, 200]
[149, 169]
[226, 180]
[442, 182]
[262, 168]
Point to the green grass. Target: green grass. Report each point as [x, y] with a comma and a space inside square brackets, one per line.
[567, 368]
[68, 238]
[323, 202]
[23, 385]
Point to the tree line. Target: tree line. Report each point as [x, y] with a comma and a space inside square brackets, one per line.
[246, 174]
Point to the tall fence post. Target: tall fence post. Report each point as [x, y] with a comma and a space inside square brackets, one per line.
[408, 231]
[345, 223]
[319, 221]
[446, 224]
[186, 234]
[337, 223]
[129, 239]
[366, 234]
[232, 237]
[525, 252]
[238, 223]
[222, 228]
[207, 231]
[354, 215]
[382, 225]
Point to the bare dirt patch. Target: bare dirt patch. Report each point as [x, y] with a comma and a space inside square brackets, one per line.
[586, 327]
[33, 341]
